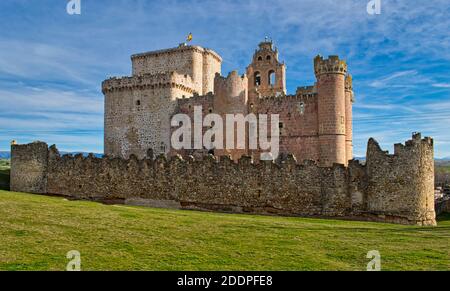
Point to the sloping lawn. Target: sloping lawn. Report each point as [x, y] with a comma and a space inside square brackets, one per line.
[36, 232]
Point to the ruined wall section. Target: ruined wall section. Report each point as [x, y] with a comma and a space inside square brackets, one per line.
[29, 168]
[401, 186]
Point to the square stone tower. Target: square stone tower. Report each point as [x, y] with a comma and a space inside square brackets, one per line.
[138, 108]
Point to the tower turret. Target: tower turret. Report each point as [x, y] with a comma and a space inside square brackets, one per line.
[231, 97]
[330, 74]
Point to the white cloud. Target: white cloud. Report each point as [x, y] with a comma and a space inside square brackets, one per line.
[441, 85]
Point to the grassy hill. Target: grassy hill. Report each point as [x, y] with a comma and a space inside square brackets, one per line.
[36, 232]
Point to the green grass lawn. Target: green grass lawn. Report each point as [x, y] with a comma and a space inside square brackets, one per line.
[36, 232]
[443, 169]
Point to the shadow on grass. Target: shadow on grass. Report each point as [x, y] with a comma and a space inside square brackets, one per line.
[4, 180]
[444, 217]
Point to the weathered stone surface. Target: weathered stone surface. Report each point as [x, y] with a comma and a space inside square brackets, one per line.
[402, 183]
[29, 168]
[394, 188]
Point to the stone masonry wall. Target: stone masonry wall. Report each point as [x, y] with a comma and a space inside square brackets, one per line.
[29, 168]
[393, 188]
[298, 123]
[402, 184]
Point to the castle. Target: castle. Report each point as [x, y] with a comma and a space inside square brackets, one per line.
[316, 176]
[315, 123]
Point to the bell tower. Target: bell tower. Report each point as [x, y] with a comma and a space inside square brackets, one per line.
[266, 75]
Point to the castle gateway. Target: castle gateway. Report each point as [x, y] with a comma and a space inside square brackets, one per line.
[314, 124]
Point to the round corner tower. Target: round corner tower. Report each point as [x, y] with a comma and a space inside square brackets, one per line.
[331, 74]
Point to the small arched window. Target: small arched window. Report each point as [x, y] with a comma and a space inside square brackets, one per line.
[259, 58]
[163, 147]
[271, 77]
[138, 103]
[268, 58]
[257, 79]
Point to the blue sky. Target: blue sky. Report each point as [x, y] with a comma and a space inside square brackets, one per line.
[52, 64]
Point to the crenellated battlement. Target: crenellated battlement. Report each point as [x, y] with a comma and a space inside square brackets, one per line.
[233, 87]
[149, 81]
[411, 147]
[196, 98]
[412, 167]
[406, 151]
[332, 65]
[233, 76]
[286, 98]
[306, 90]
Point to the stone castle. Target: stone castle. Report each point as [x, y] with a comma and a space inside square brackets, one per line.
[316, 131]
[315, 123]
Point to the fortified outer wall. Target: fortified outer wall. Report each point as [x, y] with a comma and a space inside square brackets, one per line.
[394, 188]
